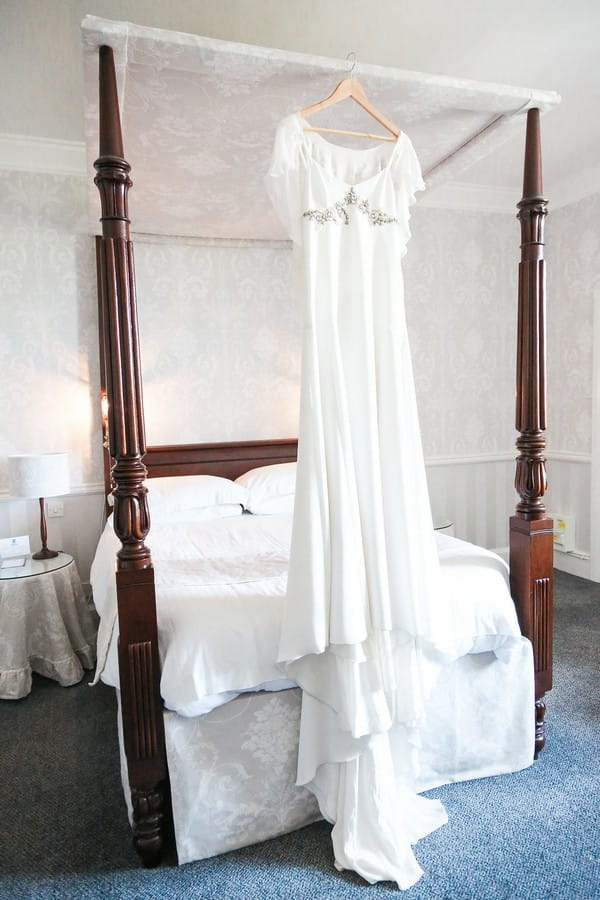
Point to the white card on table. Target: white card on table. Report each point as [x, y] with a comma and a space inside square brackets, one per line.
[14, 546]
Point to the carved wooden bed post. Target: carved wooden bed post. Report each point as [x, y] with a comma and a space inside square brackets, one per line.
[531, 542]
[138, 644]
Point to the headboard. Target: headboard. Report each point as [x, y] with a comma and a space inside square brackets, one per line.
[228, 459]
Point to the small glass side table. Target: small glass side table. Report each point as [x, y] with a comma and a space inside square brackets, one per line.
[444, 524]
[34, 567]
[46, 625]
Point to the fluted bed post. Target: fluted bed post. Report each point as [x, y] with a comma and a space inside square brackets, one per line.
[531, 542]
[143, 727]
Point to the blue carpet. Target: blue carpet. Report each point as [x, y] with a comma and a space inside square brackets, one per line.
[533, 835]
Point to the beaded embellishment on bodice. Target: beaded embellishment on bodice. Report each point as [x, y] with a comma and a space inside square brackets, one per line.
[339, 212]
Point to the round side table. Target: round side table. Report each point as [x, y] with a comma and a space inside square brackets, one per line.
[46, 625]
[443, 524]
[36, 567]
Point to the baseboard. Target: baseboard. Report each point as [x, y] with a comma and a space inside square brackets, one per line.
[573, 564]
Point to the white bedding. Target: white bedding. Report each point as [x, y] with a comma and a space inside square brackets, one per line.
[219, 587]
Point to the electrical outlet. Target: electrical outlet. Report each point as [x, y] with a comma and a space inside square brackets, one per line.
[55, 509]
[564, 532]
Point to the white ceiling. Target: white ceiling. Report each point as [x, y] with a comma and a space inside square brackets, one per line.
[528, 43]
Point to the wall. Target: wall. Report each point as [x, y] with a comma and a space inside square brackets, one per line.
[460, 287]
[237, 301]
[460, 274]
[221, 321]
[461, 292]
[573, 341]
[47, 350]
[461, 305]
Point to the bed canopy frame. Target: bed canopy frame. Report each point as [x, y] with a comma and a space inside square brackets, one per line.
[128, 461]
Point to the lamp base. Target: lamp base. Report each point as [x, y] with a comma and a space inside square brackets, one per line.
[44, 553]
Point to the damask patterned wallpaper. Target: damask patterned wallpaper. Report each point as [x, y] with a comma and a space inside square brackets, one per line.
[48, 323]
[220, 334]
[237, 333]
[573, 239]
[226, 319]
[461, 290]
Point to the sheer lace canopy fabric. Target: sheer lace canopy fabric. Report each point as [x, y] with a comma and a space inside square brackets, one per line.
[211, 108]
[365, 624]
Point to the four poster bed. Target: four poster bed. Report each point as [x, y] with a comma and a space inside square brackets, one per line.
[151, 734]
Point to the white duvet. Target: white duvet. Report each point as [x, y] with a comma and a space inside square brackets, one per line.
[219, 590]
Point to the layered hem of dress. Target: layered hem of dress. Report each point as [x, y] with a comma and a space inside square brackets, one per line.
[362, 708]
[364, 793]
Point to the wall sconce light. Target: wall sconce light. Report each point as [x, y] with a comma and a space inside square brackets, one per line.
[104, 416]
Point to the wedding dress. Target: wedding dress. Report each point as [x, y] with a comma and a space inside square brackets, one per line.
[365, 624]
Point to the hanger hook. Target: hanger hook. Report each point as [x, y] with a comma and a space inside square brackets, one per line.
[351, 57]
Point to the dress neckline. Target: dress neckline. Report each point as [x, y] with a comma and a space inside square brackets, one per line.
[310, 138]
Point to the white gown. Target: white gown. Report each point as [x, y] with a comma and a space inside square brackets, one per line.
[365, 624]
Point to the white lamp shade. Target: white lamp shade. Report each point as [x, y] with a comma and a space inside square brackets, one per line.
[41, 475]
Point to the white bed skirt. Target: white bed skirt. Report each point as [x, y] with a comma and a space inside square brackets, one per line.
[233, 770]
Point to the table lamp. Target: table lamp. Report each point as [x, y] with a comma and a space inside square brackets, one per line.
[42, 475]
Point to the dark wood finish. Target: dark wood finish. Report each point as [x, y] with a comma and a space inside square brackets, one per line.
[531, 541]
[229, 459]
[143, 727]
[44, 553]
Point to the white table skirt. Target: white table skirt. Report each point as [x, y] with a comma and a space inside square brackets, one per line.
[46, 626]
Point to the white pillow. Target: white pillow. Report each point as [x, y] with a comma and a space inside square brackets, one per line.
[270, 489]
[194, 498]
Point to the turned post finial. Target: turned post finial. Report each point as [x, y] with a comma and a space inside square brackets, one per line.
[111, 140]
[532, 170]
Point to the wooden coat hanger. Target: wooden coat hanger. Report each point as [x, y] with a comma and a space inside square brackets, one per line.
[349, 87]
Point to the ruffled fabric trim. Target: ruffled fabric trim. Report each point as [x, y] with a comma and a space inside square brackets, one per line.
[16, 683]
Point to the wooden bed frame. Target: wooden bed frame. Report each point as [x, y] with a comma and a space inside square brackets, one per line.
[128, 462]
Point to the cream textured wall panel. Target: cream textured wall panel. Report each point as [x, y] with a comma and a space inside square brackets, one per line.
[569, 495]
[478, 497]
[220, 333]
[573, 303]
[48, 331]
[461, 293]
[574, 286]
[221, 328]
[240, 349]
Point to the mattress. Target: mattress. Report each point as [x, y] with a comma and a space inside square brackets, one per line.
[219, 590]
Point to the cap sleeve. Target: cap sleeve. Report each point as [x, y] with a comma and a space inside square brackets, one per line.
[407, 172]
[283, 179]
